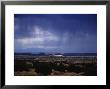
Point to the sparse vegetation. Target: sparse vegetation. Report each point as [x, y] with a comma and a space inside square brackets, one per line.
[58, 67]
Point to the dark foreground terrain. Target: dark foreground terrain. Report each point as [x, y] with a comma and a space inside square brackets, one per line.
[55, 66]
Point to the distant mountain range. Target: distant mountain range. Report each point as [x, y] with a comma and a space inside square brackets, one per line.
[64, 54]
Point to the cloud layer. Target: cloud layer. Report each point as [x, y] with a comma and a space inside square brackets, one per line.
[55, 33]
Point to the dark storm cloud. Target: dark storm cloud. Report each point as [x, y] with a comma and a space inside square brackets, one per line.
[56, 32]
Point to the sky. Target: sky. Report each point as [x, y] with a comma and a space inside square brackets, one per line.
[55, 33]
